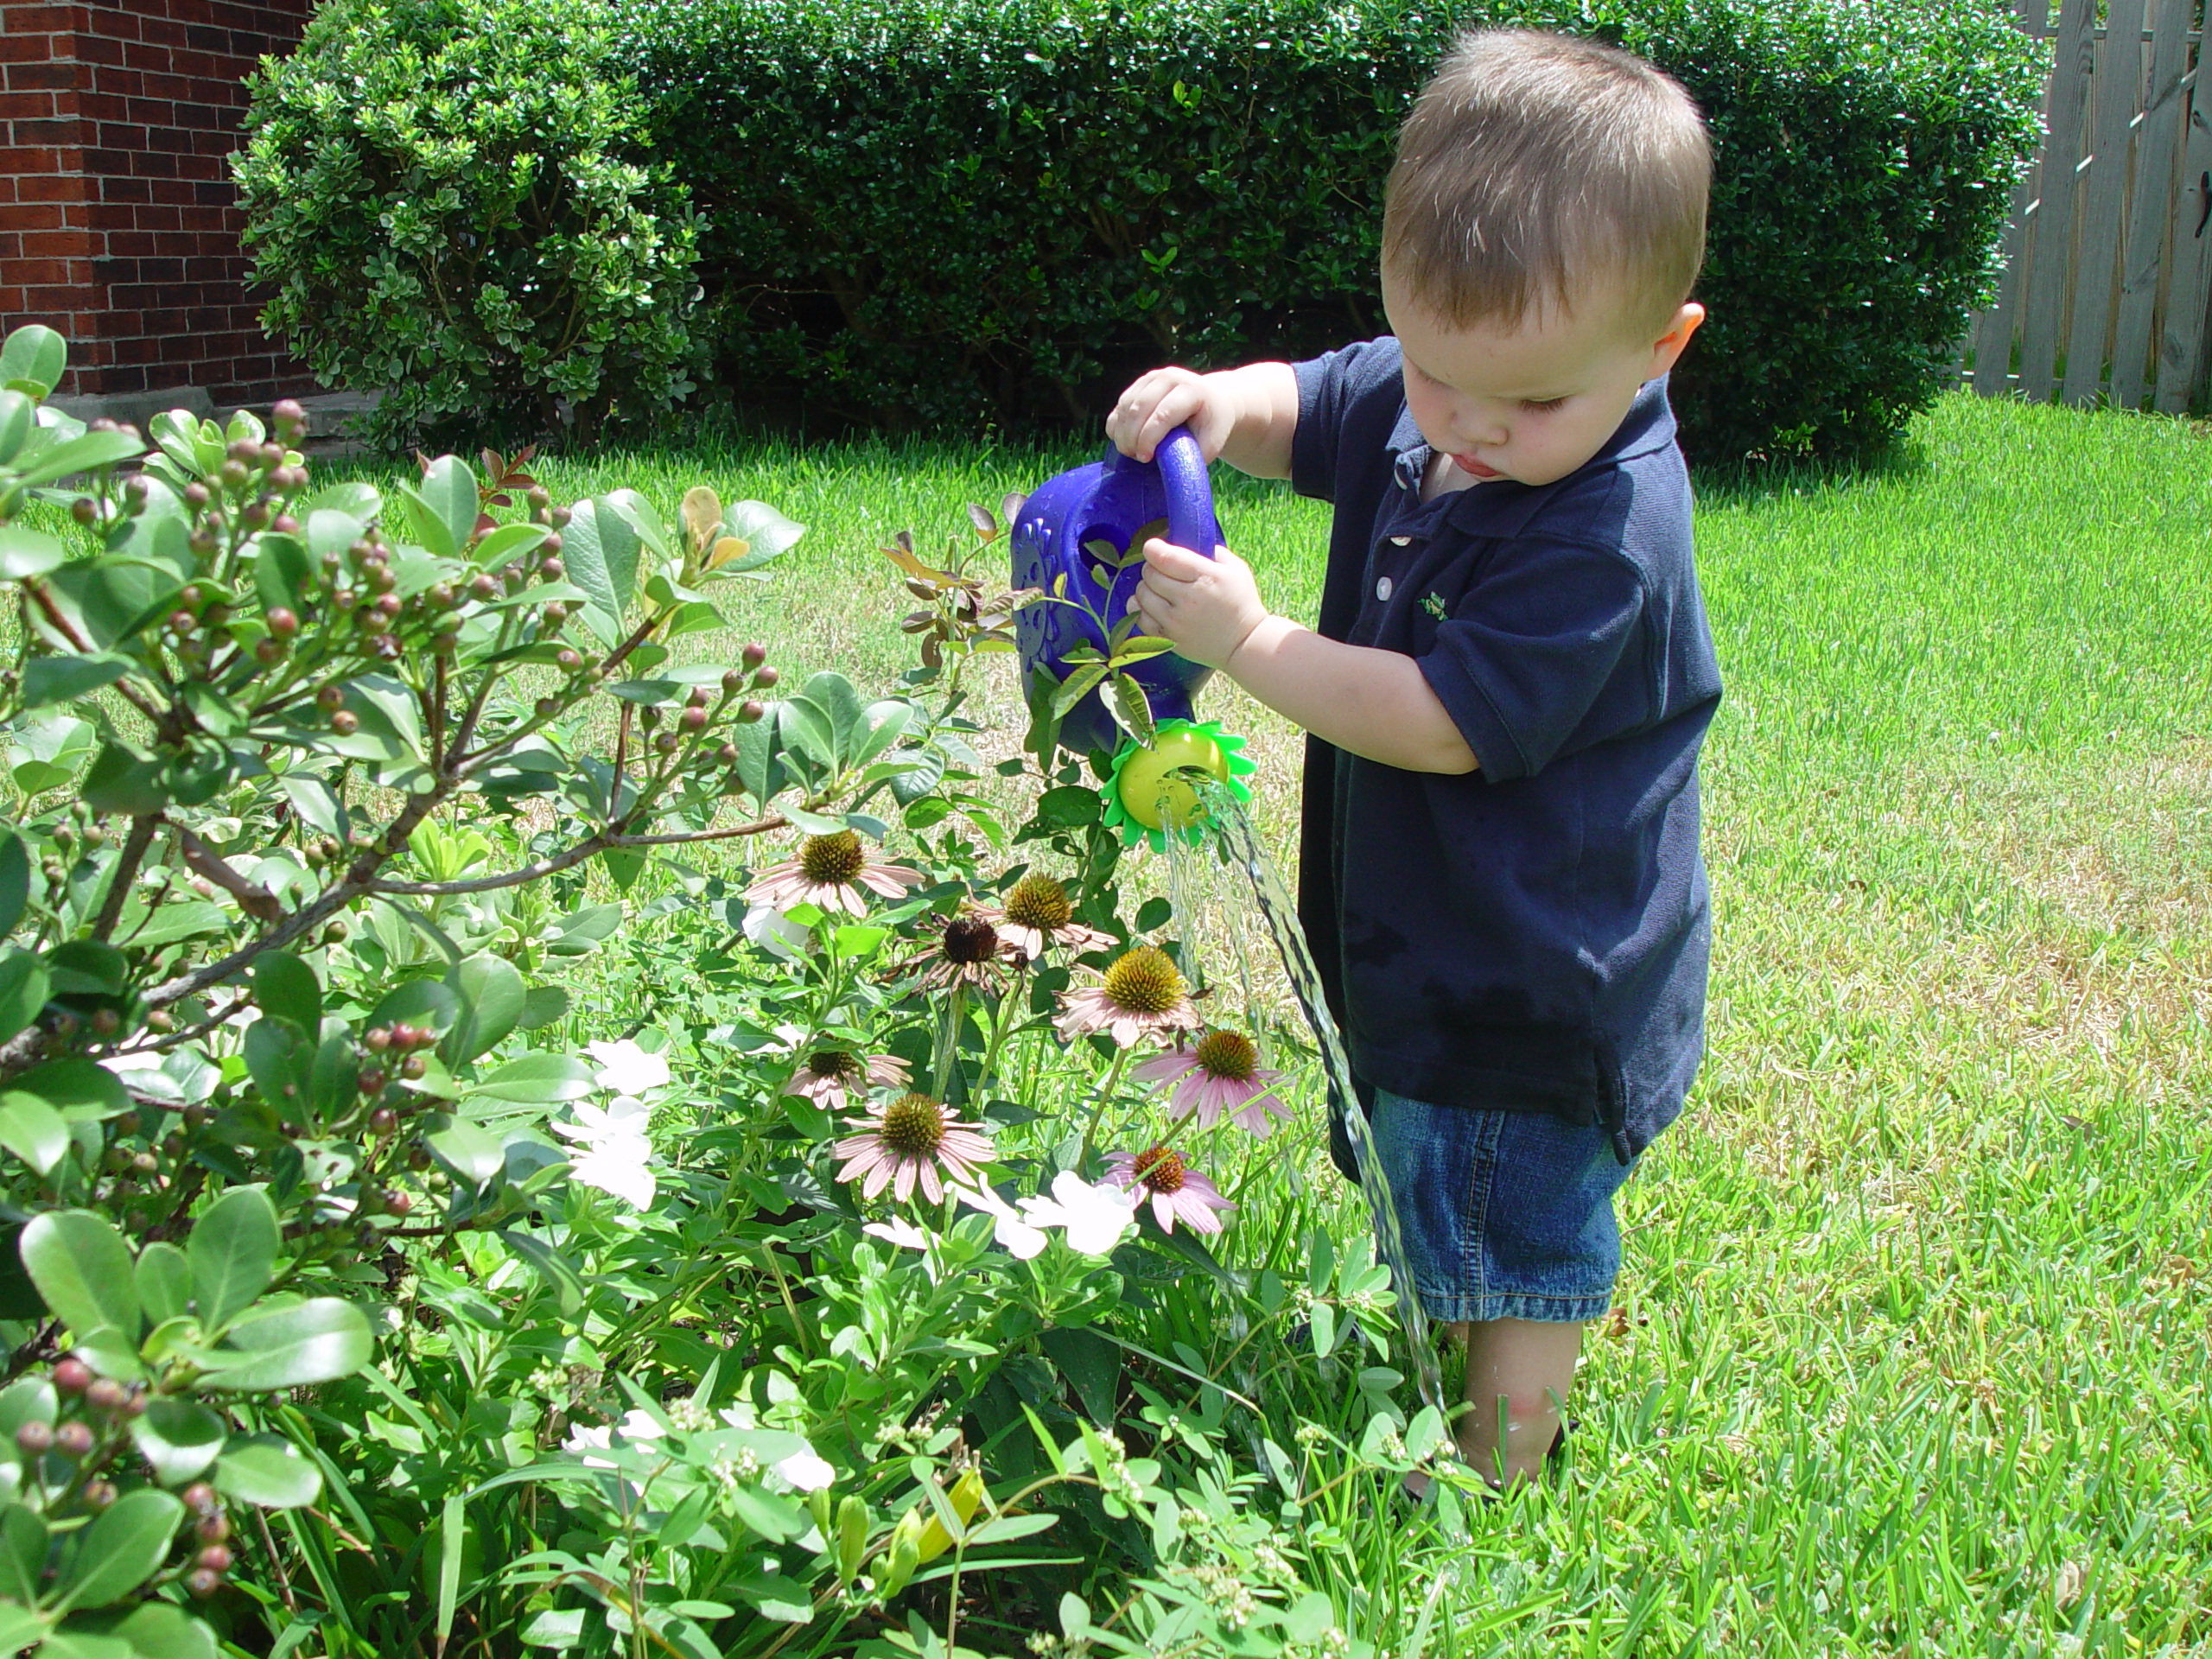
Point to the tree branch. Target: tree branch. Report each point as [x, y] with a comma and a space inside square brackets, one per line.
[576, 854]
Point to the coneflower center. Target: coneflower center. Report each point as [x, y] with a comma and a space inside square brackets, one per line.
[1159, 1169]
[913, 1126]
[1144, 980]
[832, 860]
[1229, 1055]
[834, 1063]
[971, 938]
[1040, 902]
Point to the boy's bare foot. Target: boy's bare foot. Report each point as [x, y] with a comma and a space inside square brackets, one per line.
[1415, 1487]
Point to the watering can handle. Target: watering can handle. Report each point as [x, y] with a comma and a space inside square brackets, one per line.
[1190, 495]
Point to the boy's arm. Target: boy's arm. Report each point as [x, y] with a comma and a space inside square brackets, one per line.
[1375, 705]
[1245, 416]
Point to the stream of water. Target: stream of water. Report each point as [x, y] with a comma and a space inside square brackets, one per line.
[1228, 825]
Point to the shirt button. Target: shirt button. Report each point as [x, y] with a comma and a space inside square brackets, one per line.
[1400, 541]
[1383, 588]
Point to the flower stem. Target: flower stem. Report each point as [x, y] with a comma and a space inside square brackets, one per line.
[944, 1064]
[1098, 1110]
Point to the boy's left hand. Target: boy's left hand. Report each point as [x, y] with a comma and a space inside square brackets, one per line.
[1207, 607]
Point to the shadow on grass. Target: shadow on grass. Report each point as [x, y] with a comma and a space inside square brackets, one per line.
[1751, 480]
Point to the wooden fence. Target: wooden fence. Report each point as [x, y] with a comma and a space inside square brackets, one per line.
[2108, 251]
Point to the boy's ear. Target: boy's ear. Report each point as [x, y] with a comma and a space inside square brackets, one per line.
[1667, 350]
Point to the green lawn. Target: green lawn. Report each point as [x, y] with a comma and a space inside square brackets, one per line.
[1911, 1346]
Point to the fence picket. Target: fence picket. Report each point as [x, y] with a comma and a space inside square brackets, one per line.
[2042, 294]
[2180, 340]
[2149, 211]
[2116, 88]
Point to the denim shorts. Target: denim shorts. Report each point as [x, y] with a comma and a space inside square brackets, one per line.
[1505, 1215]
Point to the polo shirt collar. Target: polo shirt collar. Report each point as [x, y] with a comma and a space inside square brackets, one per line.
[1648, 426]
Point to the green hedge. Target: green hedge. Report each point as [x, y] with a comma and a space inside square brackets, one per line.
[955, 209]
[959, 212]
[452, 202]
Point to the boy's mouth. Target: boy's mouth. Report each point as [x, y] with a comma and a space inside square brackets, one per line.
[1474, 468]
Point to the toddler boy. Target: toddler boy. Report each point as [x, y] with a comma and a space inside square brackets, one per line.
[1509, 687]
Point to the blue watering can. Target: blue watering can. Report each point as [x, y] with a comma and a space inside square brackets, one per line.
[1119, 502]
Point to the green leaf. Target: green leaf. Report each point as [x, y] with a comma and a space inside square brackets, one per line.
[543, 1006]
[582, 930]
[284, 987]
[155, 1630]
[179, 1438]
[81, 1090]
[1136, 713]
[452, 1536]
[265, 1472]
[470, 1152]
[281, 573]
[315, 802]
[1089, 1361]
[26, 553]
[281, 1061]
[767, 534]
[232, 1249]
[34, 1131]
[567, 1281]
[81, 456]
[443, 507]
[23, 990]
[60, 679]
[599, 548]
[121, 782]
[538, 1079]
[14, 884]
[20, 1628]
[23, 1545]
[83, 1270]
[164, 1282]
[492, 996]
[806, 727]
[120, 1550]
[32, 360]
[18, 420]
[28, 1399]
[419, 1002]
[313, 1341]
[508, 543]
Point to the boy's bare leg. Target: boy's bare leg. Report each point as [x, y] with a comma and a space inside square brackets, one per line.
[1518, 1375]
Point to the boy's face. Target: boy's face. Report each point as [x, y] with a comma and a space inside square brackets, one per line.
[1533, 402]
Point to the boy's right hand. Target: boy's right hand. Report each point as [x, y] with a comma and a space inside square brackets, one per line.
[1244, 415]
[1162, 399]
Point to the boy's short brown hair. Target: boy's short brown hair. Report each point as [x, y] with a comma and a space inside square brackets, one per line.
[1535, 169]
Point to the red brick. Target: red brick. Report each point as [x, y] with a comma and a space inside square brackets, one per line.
[48, 75]
[36, 216]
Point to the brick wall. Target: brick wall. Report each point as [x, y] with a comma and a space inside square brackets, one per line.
[118, 225]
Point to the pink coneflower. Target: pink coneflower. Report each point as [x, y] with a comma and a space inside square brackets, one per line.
[1221, 1073]
[1037, 913]
[829, 1076]
[828, 874]
[1175, 1189]
[1142, 992]
[908, 1140]
[967, 954]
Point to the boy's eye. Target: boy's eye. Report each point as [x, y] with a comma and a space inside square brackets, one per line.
[1542, 406]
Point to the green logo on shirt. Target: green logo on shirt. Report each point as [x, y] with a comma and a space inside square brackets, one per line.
[1433, 604]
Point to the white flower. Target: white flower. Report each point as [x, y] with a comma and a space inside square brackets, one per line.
[635, 1426]
[1097, 1217]
[615, 1150]
[805, 1470]
[900, 1231]
[1016, 1237]
[775, 932]
[625, 1067]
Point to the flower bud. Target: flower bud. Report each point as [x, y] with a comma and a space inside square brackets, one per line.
[383, 1121]
[555, 614]
[538, 497]
[254, 514]
[200, 1498]
[665, 744]
[333, 933]
[34, 1438]
[387, 602]
[215, 1558]
[212, 1528]
[766, 679]
[733, 683]
[73, 1439]
[99, 1495]
[343, 598]
[106, 1394]
[551, 569]
[413, 1067]
[561, 517]
[195, 493]
[566, 659]
[344, 723]
[753, 656]
[439, 596]
[182, 623]
[242, 450]
[373, 1080]
[272, 454]
[547, 707]
[749, 711]
[283, 622]
[379, 579]
[284, 524]
[330, 699]
[286, 414]
[695, 719]
[232, 475]
[484, 586]
[72, 1375]
[85, 511]
[398, 1202]
[726, 754]
[202, 1583]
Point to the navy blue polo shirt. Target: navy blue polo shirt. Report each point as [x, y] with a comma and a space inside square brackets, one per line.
[1532, 936]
